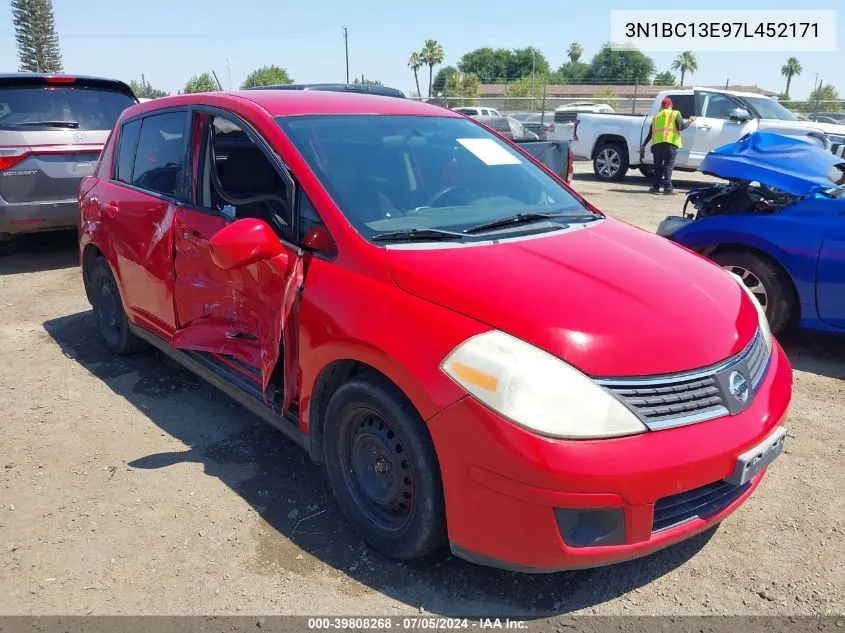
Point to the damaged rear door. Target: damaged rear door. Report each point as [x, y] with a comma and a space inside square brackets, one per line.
[240, 315]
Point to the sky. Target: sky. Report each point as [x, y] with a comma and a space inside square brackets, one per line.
[171, 40]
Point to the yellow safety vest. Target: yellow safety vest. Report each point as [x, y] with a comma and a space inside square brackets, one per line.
[663, 128]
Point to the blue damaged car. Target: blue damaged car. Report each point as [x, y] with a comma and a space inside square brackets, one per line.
[778, 222]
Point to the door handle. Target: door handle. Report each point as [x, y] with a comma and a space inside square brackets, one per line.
[705, 127]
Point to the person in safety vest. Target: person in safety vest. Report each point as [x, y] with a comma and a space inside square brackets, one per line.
[665, 135]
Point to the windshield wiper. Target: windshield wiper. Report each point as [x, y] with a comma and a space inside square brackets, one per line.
[70, 124]
[418, 235]
[524, 218]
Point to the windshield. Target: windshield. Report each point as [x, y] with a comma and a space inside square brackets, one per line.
[399, 173]
[770, 109]
[46, 107]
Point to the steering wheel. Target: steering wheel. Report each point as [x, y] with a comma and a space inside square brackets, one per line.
[437, 197]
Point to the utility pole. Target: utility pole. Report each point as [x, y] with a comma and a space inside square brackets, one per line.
[533, 65]
[346, 47]
[229, 69]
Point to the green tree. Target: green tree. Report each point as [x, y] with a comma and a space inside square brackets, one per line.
[200, 83]
[686, 63]
[364, 81]
[144, 90]
[415, 62]
[791, 68]
[611, 66]
[573, 72]
[487, 64]
[574, 52]
[665, 79]
[35, 34]
[823, 94]
[267, 76]
[432, 54]
[439, 86]
[522, 63]
[606, 95]
[519, 94]
[462, 89]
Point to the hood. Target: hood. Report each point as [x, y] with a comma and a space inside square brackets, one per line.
[610, 299]
[792, 165]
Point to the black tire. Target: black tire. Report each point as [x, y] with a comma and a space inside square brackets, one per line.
[610, 162]
[779, 299]
[112, 323]
[383, 469]
[647, 171]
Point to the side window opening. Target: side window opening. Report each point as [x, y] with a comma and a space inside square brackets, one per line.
[238, 180]
[125, 155]
[160, 153]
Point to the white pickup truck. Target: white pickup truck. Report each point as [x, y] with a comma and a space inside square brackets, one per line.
[612, 141]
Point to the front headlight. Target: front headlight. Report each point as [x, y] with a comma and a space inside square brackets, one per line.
[537, 391]
[761, 313]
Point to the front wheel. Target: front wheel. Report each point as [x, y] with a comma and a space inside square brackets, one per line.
[767, 281]
[611, 162]
[383, 469]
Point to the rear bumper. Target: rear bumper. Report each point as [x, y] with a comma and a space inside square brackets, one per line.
[33, 217]
[512, 497]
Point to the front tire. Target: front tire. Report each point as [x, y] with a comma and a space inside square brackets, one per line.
[767, 282]
[383, 469]
[610, 162]
[112, 323]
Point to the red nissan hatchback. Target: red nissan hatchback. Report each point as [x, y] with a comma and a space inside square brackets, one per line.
[476, 354]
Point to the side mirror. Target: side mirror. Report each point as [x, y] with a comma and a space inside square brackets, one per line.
[739, 114]
[244, 242]
[318, 239]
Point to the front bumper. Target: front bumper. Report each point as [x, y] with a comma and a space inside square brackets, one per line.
[507, 489]
[32, 217]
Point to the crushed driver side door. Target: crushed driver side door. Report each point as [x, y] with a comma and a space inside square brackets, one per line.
[240, 315]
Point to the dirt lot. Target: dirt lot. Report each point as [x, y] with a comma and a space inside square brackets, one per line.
[128, 486]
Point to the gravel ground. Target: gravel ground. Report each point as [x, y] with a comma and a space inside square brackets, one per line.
[130, 487]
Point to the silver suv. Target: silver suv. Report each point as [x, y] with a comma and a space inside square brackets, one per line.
[52, 128]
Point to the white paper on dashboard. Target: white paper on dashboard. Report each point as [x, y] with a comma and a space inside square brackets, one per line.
[489, 151]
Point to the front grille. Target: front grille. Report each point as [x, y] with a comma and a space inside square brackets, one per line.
[688, 397]
[565, 117]
[701, 502]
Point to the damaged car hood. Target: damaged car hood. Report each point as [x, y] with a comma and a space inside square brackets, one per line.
[795, 166]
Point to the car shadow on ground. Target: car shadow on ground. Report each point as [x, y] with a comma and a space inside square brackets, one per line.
[816, 353]
[38, 252]
[278, 480]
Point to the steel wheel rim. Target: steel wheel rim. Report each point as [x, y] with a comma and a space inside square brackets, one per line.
[608, 162]
[753, 283]
[377, 470]
[108, 310]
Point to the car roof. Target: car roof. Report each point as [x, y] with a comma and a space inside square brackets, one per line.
[301, 102]
[28, 79]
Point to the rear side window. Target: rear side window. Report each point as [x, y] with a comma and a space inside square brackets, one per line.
[685, 104]
[161, 152]
[126, 150]
[48, 108]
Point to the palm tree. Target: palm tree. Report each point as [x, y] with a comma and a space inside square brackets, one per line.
[431, 54]
[574, 52]
[791, 68]
[686, 63]
[415, 63]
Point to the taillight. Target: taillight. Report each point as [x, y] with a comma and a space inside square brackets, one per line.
[575, 130]
[11, 156]
[59, 79]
